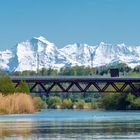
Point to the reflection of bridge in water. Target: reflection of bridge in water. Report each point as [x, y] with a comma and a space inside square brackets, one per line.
[83, 84]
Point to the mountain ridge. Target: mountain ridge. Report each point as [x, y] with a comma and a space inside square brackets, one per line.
[39, 52]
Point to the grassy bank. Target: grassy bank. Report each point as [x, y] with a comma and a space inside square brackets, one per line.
[16, 104]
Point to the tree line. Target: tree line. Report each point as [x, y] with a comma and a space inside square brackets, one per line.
[124, 70]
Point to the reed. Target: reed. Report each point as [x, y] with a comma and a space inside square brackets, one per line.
[16, 104]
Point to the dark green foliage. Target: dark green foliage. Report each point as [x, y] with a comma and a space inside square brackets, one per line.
[77, 70]
[122, 102]
[22, 87]
[88, 99]
[80, 71]
[109, 101]
[54, 102]
[119, 101]
[130, 98]
[6, 85]
[94, 104]
[136, 103]
[114, 101]
[44, 98]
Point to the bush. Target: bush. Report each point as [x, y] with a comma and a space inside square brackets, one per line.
[6, 85]
[67, 104]
[54, 102]
[16, 104]
[130, 99]
[136, 103]
[88, 100]
[115, 101]
[39, 104]
[109, 101]
[22, 87]
[94, 104]
[80, 104]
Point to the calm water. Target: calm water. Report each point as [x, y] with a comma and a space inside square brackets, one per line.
[71, 125]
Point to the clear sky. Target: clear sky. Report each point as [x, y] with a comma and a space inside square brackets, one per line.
[69, 21]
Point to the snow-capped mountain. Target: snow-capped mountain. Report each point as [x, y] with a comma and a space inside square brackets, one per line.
[5, 57]
[39, 52]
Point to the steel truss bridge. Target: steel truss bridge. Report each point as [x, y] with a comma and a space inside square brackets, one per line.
[82, 84]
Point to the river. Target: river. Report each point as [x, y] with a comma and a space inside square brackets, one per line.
[71, 125]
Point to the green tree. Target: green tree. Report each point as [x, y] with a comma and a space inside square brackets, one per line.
[115, 101]
[130, 98]
[6, 85]
[136, 103]
[22, 87]
[109, 101]
[54, 102]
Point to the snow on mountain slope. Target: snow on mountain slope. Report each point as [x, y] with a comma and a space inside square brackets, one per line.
[79, 54]
[39, 51]
[5, 57]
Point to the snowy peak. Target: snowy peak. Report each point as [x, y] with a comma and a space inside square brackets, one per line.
[79, 54]
[39, 52]
[43, 40]
[42, 44]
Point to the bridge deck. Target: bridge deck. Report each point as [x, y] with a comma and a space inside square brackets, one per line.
[74, 78]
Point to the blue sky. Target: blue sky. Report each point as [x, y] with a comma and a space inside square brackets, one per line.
[69, 21]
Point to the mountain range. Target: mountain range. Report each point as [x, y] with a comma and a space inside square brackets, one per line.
[38, 52]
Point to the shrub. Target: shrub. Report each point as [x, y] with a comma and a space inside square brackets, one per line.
[44, 98]
[6, 85]
[136, 103]
[16, 104]
[114, 101]
[88, 100]
[67, 104]
[22, 87]
[130, 98]
[39, 103]
[109, 101]
[94, 104]
[54, 102]
[80, 104]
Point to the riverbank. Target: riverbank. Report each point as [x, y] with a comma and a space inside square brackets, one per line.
[106, 101]
[21, 103]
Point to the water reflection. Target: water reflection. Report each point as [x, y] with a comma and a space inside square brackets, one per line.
[15, 129]
[72, 129]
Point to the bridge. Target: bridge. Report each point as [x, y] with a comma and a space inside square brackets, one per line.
[82, 84]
